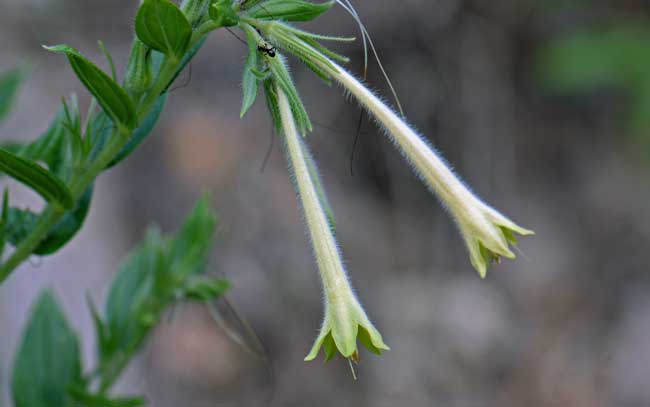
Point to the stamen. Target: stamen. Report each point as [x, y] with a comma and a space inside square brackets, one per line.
[354, 374]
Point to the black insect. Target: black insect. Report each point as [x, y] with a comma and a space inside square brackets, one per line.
[267, 49]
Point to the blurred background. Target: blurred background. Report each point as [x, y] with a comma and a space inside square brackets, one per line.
[543, 107]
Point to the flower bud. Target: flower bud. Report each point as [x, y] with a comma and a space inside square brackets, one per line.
[138, 71]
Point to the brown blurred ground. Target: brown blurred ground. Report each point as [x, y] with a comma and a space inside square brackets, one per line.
[569, 326]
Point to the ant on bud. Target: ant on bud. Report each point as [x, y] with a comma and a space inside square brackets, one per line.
[267, 49]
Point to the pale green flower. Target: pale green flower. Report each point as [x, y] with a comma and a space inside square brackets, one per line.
[486, 232]
[345, 320]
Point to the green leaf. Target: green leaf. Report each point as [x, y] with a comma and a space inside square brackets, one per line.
[156, 275]
[132, 290]
[192, 245]
[58, 147]
[142, 132]
[100, 129]
[250, 83]
[67, 227]
[162, 25]
[51, 188]
[9, 83]
[289, 10]
[48, 360]
[110, 96]
[20, 223]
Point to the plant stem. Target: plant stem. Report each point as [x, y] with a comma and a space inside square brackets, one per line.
[202, 31]
[48, 219]
[167, 72]
[113, 370]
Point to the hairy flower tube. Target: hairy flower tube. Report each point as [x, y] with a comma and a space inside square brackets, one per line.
[345, 320]
[487, 233]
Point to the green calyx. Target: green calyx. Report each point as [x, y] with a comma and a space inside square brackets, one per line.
[343, 326]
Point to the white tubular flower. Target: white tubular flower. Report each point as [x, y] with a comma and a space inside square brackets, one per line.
[486, 232]
[345, 320]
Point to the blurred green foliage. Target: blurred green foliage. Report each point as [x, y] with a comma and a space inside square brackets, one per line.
[615, 57]
[161, 272]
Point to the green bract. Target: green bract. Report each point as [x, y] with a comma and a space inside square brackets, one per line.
[162, 25]
[250, 82]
